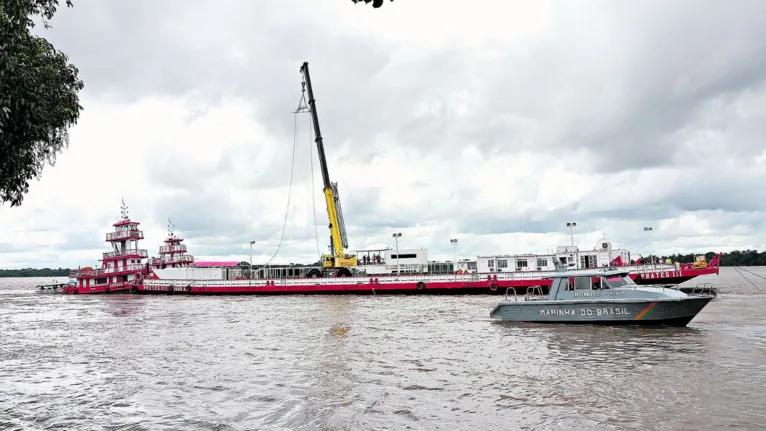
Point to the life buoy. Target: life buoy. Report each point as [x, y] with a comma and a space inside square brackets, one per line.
[420, 286]
[493, 287]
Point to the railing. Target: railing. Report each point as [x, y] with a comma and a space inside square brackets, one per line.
[125, 234]
[107, 271]
[534, 293]
[702, 289]
[180, 248]
[126, 253]
[327, 280]
[382, 278]
[507, 297]
[412, 268]
[179, 258]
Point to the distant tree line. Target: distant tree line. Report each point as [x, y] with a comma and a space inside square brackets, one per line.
[734, 258]
[35, 272]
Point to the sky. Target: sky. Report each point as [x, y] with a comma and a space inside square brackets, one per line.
[494, 123]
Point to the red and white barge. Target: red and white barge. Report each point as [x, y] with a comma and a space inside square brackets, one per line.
[175, 271]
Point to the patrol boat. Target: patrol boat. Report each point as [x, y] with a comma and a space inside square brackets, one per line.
[607, 296]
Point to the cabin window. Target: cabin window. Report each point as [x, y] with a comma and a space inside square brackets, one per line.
[542, 262]
[404, 256]
[491, 263]
[588, 261]
[502, 263]
[521, 263]
[618, 281]
[583, 283]
[472, 266]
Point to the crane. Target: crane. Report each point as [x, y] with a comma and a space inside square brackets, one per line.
[337, 262]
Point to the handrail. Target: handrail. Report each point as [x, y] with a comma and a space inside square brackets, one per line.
[125, 234]
[106, 271]
[180, 248]
[129, 252]
[515, 297]
[530, 294]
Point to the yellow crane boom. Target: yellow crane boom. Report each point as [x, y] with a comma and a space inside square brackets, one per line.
[337, 259]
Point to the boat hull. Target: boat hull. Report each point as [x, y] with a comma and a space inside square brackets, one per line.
[664, 311]
[100, 289]
[342, 287]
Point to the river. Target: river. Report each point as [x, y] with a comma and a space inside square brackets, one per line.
[134, 362]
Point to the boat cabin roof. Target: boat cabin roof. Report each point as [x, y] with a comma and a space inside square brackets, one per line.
[591, 273]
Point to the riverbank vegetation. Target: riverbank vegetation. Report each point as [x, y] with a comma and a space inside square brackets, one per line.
[35, 272]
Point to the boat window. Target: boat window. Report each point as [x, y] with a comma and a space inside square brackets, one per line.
[583, 283]
[619, 281]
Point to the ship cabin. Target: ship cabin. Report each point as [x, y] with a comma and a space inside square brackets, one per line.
[466, 266]
[389, 261]
[566, 285]
[570, 257]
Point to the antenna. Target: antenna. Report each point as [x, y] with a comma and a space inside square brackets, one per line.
[124, 210]
[171, 229]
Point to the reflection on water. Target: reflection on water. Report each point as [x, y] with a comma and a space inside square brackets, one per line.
[373, 362]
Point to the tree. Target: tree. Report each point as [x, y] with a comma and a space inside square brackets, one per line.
[375, 3]
[38, 97]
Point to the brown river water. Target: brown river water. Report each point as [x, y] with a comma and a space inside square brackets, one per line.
[133, 362]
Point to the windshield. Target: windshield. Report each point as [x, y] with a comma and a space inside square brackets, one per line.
[618, 281]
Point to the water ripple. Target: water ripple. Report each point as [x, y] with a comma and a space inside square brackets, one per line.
[350, 363]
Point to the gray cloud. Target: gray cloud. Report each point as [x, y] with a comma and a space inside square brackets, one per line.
[605, 89]
[622, 86]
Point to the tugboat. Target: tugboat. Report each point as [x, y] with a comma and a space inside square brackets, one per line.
[121, 269]
[173, 254]
[608, 296]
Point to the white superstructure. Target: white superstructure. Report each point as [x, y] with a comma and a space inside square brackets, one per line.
[388, 261]
[571, 257]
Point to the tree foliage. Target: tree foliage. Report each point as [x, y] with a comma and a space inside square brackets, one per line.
[732, 258]
[375, 3]
[38, 97]
[34, 272]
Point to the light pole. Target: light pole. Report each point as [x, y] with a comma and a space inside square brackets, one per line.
[250, 274]
[571, 226]
[649, 229]
[396, 238]
[453, 241]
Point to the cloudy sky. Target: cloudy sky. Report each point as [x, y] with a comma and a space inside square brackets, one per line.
[491, 122]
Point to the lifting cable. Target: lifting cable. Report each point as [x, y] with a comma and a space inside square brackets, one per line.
[289, 195]
[302, 107]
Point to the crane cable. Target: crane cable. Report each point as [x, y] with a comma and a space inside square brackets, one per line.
[289, 196]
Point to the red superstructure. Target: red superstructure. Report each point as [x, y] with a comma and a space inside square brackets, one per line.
[122, 269]
[173, 254]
